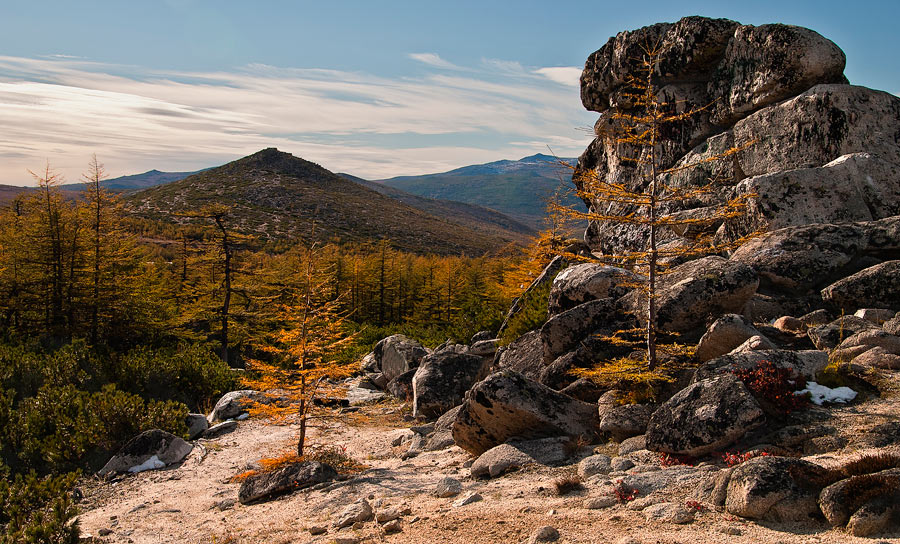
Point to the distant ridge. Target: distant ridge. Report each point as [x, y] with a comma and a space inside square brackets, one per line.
[276, 196]
[514, 188]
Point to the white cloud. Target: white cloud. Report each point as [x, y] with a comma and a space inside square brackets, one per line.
[565, 75]
[63, 110]
[433, 59]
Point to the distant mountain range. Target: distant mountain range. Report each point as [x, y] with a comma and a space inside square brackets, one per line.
[276, 196]
[515, 188]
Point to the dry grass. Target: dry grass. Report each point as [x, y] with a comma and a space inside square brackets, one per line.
[567, 484]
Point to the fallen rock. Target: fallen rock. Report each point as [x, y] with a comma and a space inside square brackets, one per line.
[873, 338]
[233, 404]
[873, 517]
[840, 500]
[599, 503]
[447, 487]
[267, 485]
[633, 444]
[544, 534]
[484, 348]
[358, 512]
[876, 315]
[468, 498]
[392, 527]
[876, 285]
[807, 363]
[442, 436]
[220, 429]
[877, 357]
[149, 450]
[776, 488]
[790, 324]
[196, 424]
[669, 512]
[754, 343]
[595, 464]
[704, 417]
[525, 355]
[585, 282]
[725, 334]
[583, 390]
[506, 405]
[517, 454]
[625, 421]
[398, 354]
[401, 386]
[442, 380]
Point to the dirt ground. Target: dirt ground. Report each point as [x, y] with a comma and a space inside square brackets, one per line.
[196, 503]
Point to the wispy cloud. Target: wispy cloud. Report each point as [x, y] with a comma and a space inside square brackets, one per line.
[433, 59]
[565, 75]
[63, 110]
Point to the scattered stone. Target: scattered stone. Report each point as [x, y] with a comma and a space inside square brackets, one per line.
[392, 527]
[220, 429]
[358, 512]
[754, 343]
[388, 514]
[595, 464]
[704, 417]
[359, 396]
[790, 324]
[162, 448]
[669, 512]
[583, 390]
[442, 380]
[776, 488]
[447, 487]
[468, 498]
[839, 501]
[621, 464]
[516, 454]
[731, 530]
[401, 386]
[872, 518]
[317, 530]
[600, 503]
[268, 485]
[544, 534]
[633, 444]
[807, 363]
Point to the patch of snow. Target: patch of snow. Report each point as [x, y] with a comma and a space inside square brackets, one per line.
[150, 464]
[820, 394]
[242, 417]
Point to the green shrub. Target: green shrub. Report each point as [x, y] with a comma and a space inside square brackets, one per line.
[37, 510]
[532, 313]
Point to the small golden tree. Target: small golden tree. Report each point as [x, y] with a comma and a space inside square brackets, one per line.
[649, 202]
[304, 351]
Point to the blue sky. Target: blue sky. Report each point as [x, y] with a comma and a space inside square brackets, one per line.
[375, 89]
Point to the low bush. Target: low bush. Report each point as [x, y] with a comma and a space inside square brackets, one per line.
[37, 510]
[774, 387]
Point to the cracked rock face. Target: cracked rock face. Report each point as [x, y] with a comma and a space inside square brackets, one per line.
[818, 150]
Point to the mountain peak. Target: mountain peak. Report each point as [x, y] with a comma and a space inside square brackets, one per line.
[271, 159]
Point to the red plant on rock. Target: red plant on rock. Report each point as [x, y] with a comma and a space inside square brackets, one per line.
[774, 386]
[733, 459]
[694, 505]
[624, 493]
[670, 460]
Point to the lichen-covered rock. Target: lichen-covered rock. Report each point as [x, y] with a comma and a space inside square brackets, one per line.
[401, 386]
[484, 348]
[442, 379]
[877, 358]
[873, 517]
[725, 334]
[803, 258]
[166, 448]
[525, 355]
[704, 417]
[777, 488]
[398, 354]
[267, 485]
[828, 336]
[359, 511]
[806, 363]
[583, 389]
[584, 282]
[877, 316]
[754, 343]
[696, 291]
[625, 421]
[840, 500]
[593, 465]
[442, 435]
[507, 405]
[196, 424]
[876, 285]
[669, 512]
[562, 332]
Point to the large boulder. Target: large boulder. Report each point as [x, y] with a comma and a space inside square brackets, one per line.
[776, 488]
[841, 500]
[149, 450]
[807, 363]
[584, 282]
[621, 422]
[724, 335]
[268, 485]
[442, 379]
[805, 258]
[562, 332]
[397, 354]
[877, 285]
[233, 404]
[831, 334]
[525, 355]
[697, 291]
[704, 417]
[507, 405]
[519, 453]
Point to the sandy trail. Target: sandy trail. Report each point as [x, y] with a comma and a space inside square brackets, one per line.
[196, 503]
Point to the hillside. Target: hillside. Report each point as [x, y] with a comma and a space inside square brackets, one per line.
[136, 182]
[514, 188]
[276, 196]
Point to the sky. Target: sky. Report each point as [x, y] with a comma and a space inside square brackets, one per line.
[371, 88]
